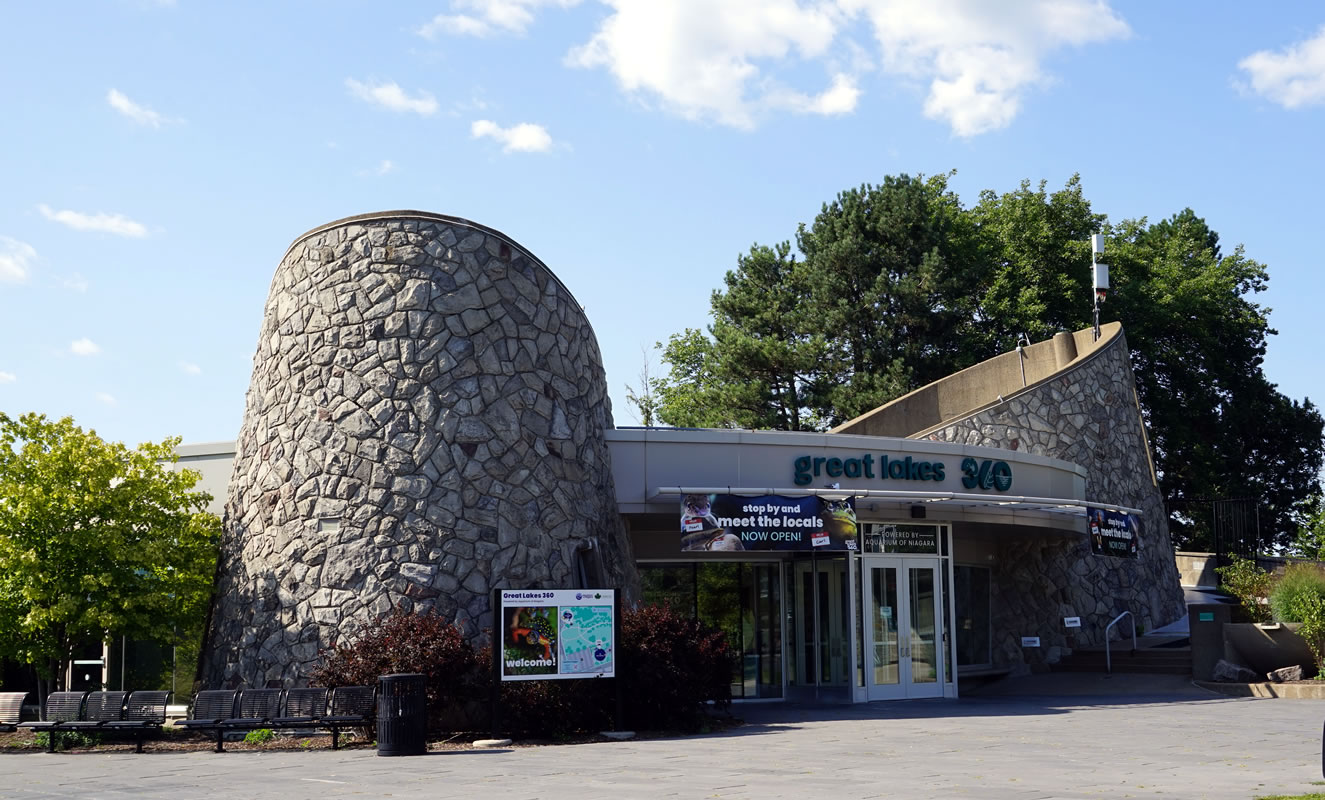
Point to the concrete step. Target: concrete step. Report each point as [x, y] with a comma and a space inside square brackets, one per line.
[1138, 669]
[1162, 662]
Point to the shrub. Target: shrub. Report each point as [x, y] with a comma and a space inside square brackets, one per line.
[259, 736]
[408, 642]
[67, 740]
[1249, 584]
[1291, 600]
[1312, 612]
[672, 666]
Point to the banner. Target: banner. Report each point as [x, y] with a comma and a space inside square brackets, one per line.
[1112, 533]
[559, 633]
[725, 522]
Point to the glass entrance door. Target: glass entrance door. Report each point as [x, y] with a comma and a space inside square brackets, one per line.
[820, 624]
[902, 637]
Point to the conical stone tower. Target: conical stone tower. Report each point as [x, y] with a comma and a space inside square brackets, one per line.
[424, 423]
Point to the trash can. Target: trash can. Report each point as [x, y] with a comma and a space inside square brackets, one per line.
[402, 715]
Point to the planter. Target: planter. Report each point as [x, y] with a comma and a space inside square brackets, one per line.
[1265, 647]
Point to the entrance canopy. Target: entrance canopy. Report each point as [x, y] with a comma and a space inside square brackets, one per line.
[888, 477]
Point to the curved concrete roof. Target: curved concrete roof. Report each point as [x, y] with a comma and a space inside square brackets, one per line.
[976, 388]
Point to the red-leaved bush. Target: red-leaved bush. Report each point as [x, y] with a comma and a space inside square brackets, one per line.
[670, 668]
[403, 641]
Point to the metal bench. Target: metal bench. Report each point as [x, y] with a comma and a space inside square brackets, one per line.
[351, 707]
[144, 712]
[210, 708]
[254, 709]
[61, 708]
[304, 708]
[11, 710]
[98, 709]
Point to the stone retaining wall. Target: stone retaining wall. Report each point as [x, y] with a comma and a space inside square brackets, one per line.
[424, 423]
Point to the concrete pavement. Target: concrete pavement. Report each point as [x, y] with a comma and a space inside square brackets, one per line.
[1135, 737]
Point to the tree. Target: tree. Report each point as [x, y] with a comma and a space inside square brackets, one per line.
[1219, 428]
[900, 286]
[890, 271]
[96, 541]
[757, 369]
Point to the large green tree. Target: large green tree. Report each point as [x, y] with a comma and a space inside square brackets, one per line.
[97, 540]
[900, 285]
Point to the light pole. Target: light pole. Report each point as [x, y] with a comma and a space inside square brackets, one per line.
[1100, 273]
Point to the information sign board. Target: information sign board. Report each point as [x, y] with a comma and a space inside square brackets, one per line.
[550, 634]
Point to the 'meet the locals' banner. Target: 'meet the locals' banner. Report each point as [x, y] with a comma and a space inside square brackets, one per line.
[1112, 533]
[559, 633]
[727, 522]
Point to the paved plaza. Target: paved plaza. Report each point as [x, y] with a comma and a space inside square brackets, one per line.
[1041, 738]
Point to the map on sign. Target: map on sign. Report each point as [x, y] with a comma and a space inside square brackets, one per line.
[547, 634]
[586, 640]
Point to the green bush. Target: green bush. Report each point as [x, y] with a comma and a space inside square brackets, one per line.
[1249, 584]
[259, 736]
[67, 740]
[1292, 597]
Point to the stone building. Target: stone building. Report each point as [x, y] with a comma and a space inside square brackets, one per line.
[428, 420]
[424, 424]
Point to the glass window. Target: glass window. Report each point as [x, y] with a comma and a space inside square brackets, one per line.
[743, 600]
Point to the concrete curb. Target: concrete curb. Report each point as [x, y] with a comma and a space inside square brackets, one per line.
[1288, 691]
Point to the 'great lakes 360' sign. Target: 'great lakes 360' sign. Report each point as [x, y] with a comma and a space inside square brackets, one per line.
[976, 474]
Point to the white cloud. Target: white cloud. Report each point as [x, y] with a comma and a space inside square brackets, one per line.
[980, 57]
[117, 224]
[525, 137]
[379, 170]
[1293, 77]
[8, 377]
[190, 368]
[75, 283]
[718, 60]
[488, 17]
[15, 260]
[702, 59]
[84, 347]
[390, 96]
[139, 114]
[106, 398]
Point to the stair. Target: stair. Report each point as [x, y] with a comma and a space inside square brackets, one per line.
[1155, 660]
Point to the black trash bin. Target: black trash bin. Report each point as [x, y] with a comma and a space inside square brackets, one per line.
[402, 715]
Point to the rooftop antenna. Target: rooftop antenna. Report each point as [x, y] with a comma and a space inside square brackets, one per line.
[1100, 273]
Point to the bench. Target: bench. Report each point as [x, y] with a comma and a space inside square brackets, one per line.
[98, 709]
[144, 712]
[304, 708]
[351, 707]
[210, 707]
[11, 710]
[61, 708]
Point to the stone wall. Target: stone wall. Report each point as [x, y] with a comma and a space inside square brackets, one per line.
[424, 423]
[1089, 415]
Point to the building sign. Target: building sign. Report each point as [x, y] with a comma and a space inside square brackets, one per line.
[977, 474]
[558, 633]
[721, 522]
[1112, 533]
[901, 538]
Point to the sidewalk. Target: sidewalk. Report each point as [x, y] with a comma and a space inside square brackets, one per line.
[1033, 739]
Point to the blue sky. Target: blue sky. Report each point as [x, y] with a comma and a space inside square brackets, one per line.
[156, 158]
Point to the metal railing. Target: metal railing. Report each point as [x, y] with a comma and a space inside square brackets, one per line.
[1108, 658]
